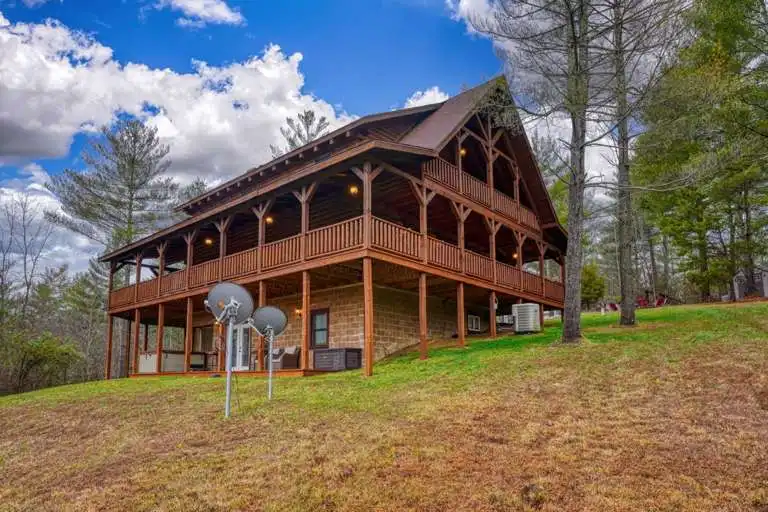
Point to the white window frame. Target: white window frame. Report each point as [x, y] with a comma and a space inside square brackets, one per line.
[473, 323]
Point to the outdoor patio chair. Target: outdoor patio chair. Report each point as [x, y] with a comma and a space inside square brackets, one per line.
[287, 359]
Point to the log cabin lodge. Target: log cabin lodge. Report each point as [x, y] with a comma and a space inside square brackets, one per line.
[398, 229]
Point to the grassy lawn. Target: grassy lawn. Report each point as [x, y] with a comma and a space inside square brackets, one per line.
[670, 415]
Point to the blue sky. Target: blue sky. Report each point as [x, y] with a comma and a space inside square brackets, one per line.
[217, 78]
[360, 56]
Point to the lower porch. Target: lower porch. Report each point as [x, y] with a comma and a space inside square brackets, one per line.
[373, 313]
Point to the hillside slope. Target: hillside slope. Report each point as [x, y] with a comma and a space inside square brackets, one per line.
[671, 415]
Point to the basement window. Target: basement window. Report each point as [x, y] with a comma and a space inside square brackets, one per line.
[473, 323]
[318, 323]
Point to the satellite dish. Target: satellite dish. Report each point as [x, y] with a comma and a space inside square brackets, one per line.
[269, 316]
[224, 296]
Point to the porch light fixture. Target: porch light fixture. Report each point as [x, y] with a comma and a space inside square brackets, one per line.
[269, 219]
[462, 152]
[514, 255]
[353, 190]
[298, 312]
[208, 241]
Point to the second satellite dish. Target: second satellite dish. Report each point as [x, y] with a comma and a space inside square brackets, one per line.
[269, 316]
[222, 295]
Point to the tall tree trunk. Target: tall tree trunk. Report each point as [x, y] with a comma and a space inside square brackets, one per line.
[622, 171]
[749, 259]
[652, 256]
[578, 97]
[665, 253]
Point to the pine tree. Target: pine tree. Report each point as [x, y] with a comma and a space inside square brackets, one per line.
[124, 194]
[300, 131]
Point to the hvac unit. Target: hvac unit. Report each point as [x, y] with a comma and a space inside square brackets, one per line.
[526, 317]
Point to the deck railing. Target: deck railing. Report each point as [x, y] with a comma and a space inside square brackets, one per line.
[449, 175]
[204, 273]
[281, 252]
[440, 170]
[393, 237]
[173, 282]
[147, 290]
[531, 283]
[121, 296]
[554, 290]
[241, 263]
[508, 275]
[335, 238]
[478, 265]
[443, 254]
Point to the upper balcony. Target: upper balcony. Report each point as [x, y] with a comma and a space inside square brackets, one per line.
[440, 172]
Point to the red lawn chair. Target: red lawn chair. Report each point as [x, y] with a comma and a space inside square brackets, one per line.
[612, 306]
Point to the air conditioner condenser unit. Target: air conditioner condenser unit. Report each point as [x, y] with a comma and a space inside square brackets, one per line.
[526, 317]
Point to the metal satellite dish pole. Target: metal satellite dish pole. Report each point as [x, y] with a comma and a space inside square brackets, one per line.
[269, 322]
[230, 304]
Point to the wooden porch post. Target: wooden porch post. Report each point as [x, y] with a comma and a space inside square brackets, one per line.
[262, 302]
[160, 332]
[146, 337]
[367, 174]
[108, 352]
[137, 276]
[261, 213]
[160, 265]
[188, 331]
[305, 319]
[305, 198]
[110, 283]
[136, 329]
[423, 350]
[541, 316]
[424, 196]
[461, 212]
[189, 238]
[519, 263]
[493, 228]
[222, 225]
[219, 332]
[460, 315]
[368, 316]
[492, 315]
[542, 249]
[459, 141]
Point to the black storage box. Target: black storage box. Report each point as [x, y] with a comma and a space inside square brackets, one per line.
[337, 359]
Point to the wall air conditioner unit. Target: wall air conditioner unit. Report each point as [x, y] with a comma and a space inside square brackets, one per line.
[526, 317]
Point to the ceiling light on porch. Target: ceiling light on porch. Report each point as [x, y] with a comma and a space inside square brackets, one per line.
[462, 152]
[269, 219]
[353, 190]
[208, 241]
[514, 255]
[298, 312]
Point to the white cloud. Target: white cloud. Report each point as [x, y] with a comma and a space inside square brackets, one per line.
[426, 97]
[197, 13]
[218, 120]
[35, 3]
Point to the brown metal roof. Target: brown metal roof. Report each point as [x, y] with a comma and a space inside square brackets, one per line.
[435, 131]
[340, 132]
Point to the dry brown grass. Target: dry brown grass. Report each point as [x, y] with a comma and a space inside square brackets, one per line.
[671, 415]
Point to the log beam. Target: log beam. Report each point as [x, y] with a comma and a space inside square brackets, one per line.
[460, 314]
[108, 351]
[188, 331]
[305, 319]
[160, 333]
[136, 329]
[423, 350]
[368, 316]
